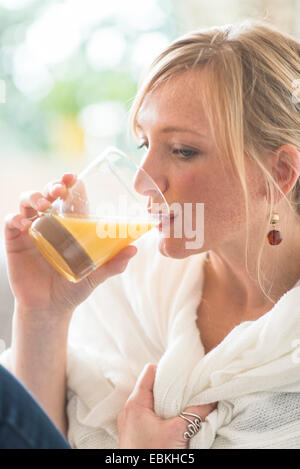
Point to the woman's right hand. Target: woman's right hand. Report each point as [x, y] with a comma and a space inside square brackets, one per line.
[36, 285]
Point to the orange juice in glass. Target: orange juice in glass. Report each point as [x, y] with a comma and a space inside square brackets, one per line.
[112, 204]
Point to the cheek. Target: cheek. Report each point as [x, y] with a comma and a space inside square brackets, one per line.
[188, 187]
[222, 197]
[223, 203]
[224, 210]
[224, 207]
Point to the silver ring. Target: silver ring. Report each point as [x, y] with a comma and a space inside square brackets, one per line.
[193, 426]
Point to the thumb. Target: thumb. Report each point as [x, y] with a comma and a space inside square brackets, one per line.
[201, 411]
[143, 391]
[114, 266]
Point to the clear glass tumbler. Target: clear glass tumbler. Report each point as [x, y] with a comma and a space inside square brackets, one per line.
[112, 203]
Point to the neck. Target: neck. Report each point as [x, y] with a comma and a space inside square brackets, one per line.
[279, 272]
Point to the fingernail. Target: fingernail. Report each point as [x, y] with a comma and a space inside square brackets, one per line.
[41, 203]
[129, 257]
[125, 262]
[24, 222]
[56, 186]
[123, 265]
[133, 253]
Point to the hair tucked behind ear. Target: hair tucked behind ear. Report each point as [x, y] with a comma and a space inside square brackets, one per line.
[253, 89]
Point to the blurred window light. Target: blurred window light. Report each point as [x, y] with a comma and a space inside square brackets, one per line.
[104, 119]
[14, 34]
[54, 36]
[140, 15]
[15, 4]
[105, 48]
[29, 75]
[6, 53]
[61, 27]
[2, 91]
[90, 12]
[147, 47]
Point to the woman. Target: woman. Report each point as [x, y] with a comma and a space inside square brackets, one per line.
[219, 115]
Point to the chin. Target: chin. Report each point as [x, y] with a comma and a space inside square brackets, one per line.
[175, 248]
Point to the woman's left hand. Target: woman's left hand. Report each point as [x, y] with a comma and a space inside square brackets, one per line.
[140, 428]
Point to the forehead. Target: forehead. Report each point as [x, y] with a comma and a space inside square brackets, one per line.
[179, 100]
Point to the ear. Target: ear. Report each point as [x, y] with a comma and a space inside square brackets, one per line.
[285, 168]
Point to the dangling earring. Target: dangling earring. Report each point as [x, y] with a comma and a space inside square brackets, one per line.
[274, 236]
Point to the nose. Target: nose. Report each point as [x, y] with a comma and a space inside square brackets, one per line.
[149, 181]
[145, 185]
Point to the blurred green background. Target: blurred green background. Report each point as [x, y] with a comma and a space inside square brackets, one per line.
[69, 71]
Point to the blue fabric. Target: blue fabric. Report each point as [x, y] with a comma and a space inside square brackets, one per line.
[23, 423]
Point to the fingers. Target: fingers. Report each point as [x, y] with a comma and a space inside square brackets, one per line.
[189, 424]
[59, 188]
[146, 379]
[138, 404]
[79, 200]
[115, 266]
[143, 391]
[15, 223]
[32, 202]
[69, 179]
[119, 262]
[201, 410]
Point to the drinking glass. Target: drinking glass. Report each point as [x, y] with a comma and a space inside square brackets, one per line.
[112, 203]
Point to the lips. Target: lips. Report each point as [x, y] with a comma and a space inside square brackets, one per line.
[166, 221]
[170, 216]
[163, 216]
[157, 207]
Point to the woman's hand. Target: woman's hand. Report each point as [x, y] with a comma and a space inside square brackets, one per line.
[36, 285]
[140, 428]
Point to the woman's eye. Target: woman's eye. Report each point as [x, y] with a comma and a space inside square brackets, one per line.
[142, 145]
[185, 153]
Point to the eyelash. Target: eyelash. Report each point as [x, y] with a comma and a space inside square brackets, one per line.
[176, 151]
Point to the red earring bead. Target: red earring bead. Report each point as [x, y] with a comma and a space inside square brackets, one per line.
[274, 236]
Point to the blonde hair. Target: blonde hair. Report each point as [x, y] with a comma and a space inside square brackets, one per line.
[256, 109]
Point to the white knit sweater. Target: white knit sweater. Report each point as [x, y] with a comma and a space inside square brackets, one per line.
[148, 315]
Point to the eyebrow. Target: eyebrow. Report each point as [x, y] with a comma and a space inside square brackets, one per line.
[175, 129]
